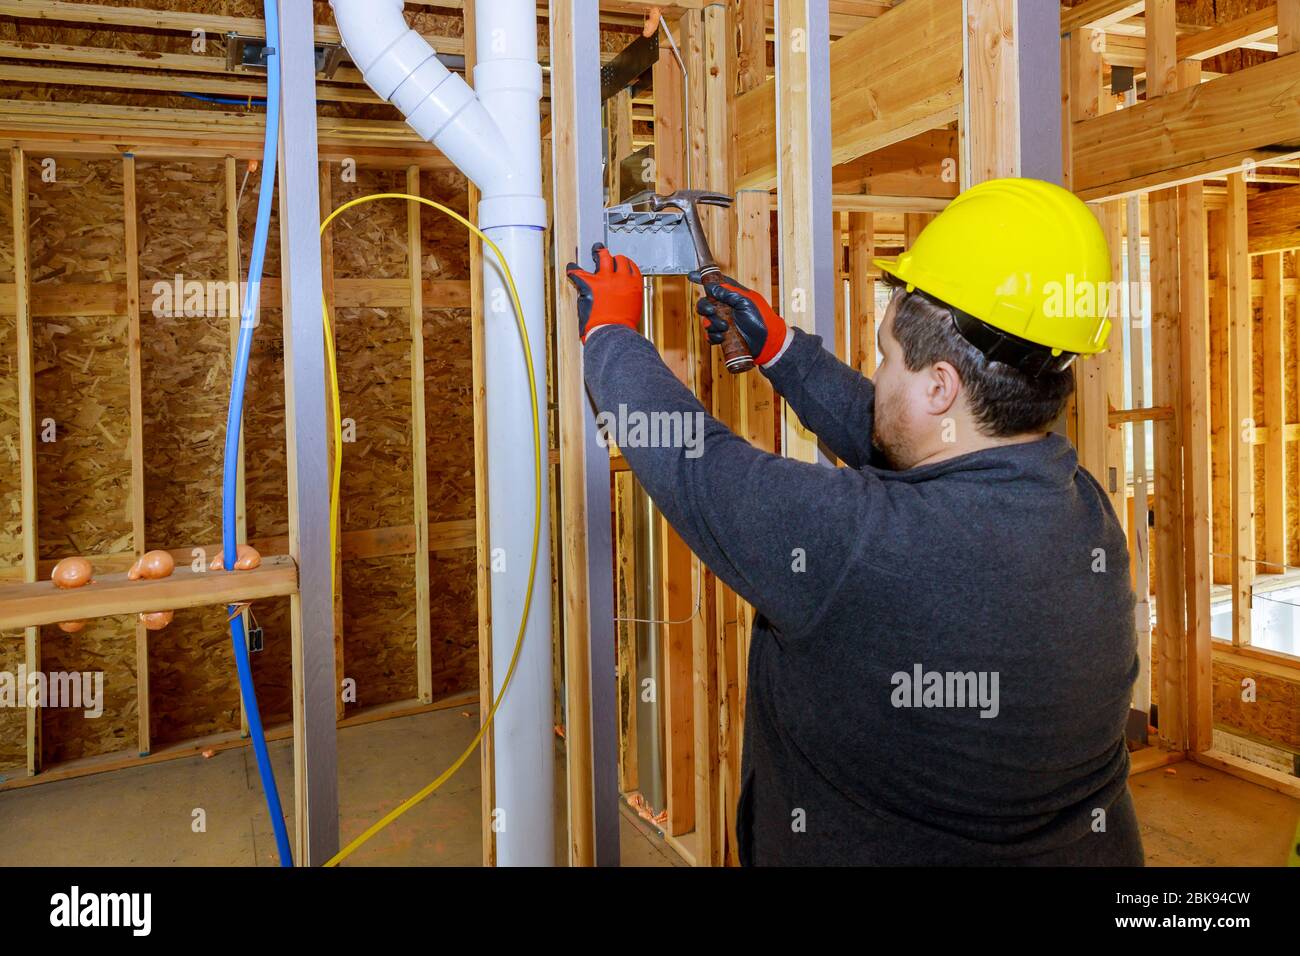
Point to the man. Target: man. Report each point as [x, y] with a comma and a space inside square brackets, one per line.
[942, 664]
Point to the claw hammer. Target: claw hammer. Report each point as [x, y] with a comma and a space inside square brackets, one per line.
[735, 354]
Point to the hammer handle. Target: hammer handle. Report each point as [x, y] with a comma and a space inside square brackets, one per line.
[735, 353]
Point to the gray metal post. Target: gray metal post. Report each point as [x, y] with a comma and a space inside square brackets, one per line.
[312, 609]
[590, 220]
[1038, 41]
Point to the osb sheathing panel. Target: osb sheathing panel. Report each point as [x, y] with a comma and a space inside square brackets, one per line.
[11, 518]
[448, 369]
[186, 380]
[379, 629]
[176, 42]
[193, 687]
[1273, 716]
[374, 357]
[449, 414]
[13, 720]
[449, 430]
[83, 477]
[454, 616]
[273, 665]
[107, 645]
[248, 188]
[447, 24]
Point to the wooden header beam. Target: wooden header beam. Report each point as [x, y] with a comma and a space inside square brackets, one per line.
[1204, 130]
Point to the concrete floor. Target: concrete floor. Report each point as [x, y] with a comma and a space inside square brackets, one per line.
[144, 816]
[1198, 816]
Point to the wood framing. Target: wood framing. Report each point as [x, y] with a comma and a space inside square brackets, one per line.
[1241, 419]
[131, 232]
[26, 426]
[805, 218]
[1274, 221]
[895, 76]
[1273, 361]
[419, 440]
[1194, 344]
[1166, 387]
[1207, 130]
[862, 286]
[680, 575]
[1010, 117]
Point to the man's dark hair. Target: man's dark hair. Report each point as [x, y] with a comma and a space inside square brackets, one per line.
[1004, 400]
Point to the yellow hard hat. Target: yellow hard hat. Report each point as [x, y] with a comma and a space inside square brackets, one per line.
[1023, 257]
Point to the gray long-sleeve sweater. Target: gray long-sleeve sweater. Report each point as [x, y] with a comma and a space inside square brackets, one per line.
[942, 661]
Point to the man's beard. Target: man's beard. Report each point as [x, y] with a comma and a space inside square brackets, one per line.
[898, 452]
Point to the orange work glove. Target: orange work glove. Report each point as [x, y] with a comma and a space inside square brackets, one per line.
[611, 295]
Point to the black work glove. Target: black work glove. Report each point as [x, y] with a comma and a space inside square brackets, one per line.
[762, 330]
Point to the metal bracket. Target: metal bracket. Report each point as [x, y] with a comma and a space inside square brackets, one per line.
[251, 52]
[629, 66]
[659, 242]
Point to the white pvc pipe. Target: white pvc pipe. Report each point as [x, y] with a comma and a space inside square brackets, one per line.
[494, 137]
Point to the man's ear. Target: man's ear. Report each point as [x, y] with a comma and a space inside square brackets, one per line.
[943, 388]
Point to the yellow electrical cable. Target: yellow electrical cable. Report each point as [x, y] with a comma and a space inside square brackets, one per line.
[348, 850]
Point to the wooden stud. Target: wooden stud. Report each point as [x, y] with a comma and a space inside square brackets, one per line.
[751, 39]
[1220, 431]
[1166, 363]
[26, 426]
[678, 578]
[1194, 371]
[1162, 52]
[754, 270]
[718, 662]
[1288, 26]
[841, 347]
[619, 110]
[625, 594]
[1273, 354]
[862, 288]
[804, 214]
[134, 360]
[990, 121]
[1241, 422]
[419, 461]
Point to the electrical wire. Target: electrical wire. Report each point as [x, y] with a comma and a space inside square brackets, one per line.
[234, 422]
[248, 102]
[336, 484]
